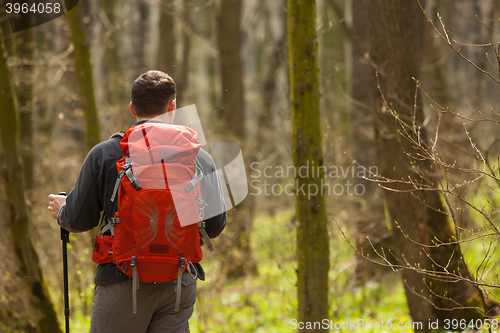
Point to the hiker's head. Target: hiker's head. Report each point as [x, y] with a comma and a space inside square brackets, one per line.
[153, 94]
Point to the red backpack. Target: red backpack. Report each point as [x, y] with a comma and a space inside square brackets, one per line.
[155, 233]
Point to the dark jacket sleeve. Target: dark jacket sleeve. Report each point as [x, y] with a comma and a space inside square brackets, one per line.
[215, 210]
[82, 209]
[93, 188]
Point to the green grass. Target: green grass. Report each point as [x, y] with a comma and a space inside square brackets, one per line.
[267, 302]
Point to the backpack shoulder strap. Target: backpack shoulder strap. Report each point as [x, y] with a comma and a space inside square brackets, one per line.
[117, 135]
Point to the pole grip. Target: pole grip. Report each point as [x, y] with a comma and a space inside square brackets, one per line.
[64, 232]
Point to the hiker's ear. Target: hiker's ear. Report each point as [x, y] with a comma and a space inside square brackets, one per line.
[132, 109]
[172, 105]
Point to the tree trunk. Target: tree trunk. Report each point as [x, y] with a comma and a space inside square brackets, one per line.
[370, 222]
[118, 92]
[167, 45]
[24, 47]
[312, 233]
[166, 59]
[84, 74]
[232, 115]
[229, 40]
[16, 211]
[418, 220]
[143, 27]
[182, 76]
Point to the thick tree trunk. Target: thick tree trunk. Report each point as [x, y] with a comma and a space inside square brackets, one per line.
[370, 221]
[418, 220]
[16, 211]
[307, 148]
[84, 74]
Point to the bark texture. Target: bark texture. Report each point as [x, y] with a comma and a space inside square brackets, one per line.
[433, 276]
[307, 149]
[41, 316]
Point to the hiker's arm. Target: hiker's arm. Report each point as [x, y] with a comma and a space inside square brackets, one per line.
[215, 211]
[82, 209]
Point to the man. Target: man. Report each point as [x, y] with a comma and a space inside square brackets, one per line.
[153, 95]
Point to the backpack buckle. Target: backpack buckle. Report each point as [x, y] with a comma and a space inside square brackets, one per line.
[130, 175]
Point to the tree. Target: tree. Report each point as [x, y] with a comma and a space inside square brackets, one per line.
[167, 45]
[24, 48]
[41, 307]
[166, 58]
[312, 234]
[424, 238]
[229, 41]
[118, 92]
[232, 118]
[83, 71]
[372, 231]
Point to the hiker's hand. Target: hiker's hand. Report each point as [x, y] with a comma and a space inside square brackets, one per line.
[55, 203]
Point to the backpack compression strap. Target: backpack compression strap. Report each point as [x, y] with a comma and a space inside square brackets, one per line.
[201, 204]
[135, 284]
[178, 282]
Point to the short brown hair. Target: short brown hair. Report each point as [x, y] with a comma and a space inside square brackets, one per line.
[151, 92]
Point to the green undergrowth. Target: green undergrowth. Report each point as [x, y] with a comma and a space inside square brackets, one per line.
[267, 302]
[479, 238]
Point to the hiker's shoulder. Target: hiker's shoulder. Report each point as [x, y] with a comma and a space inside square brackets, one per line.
[206, 161]
[106, 149]
[113, 143]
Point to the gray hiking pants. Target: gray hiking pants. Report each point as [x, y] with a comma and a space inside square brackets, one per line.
[112, 308]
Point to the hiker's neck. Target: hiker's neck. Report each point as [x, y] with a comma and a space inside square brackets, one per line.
[167, 117]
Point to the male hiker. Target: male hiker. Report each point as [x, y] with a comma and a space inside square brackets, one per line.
[106, 184]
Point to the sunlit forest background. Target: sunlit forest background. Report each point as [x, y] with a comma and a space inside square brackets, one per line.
[408, 110]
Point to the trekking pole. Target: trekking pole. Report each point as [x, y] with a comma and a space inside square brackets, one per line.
[65, 241]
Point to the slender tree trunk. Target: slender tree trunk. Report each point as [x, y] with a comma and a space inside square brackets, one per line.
[117, 92]
[167, 43]
[232, 116]
[182, 76]
[143, 27]
[84, 74]
[17, 210]
[265, 132]
[395, 39]
[24, 48]
[307, 148]
[166, 59]
[229, 40]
